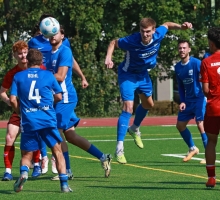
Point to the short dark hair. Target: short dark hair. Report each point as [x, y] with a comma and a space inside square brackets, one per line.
[214, 36]
[34, 57]
[45, 15]
[146, 22]
[62, 31]
[180, 41]
[35, 29]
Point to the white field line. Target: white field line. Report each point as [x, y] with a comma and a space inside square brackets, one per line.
[183, 155]
[146, 139]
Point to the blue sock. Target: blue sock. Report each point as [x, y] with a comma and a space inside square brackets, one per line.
[123, 123]
[187, 137]
[94, 151]
[63, 179]
[140, 114]
[24, 168]
[43, 149]
[67, 159]
[204, 139]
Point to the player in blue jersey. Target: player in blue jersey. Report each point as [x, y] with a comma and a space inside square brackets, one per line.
[141, 53]
[192, 99]
[37, 91]
[59, 61]
[41, 43]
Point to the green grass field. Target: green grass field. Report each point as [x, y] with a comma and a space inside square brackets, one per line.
[149, 174]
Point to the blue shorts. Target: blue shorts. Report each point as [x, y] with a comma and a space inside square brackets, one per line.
[129, 82]
[31, 141]
[193, 109]
[66, 117]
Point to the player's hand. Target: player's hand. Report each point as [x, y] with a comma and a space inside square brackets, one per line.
[182, 107]
[109, 64]
[85, 84]
[186, 25]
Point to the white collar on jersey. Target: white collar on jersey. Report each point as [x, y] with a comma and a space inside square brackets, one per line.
[45, 38]
[148, 43]
[185, 63]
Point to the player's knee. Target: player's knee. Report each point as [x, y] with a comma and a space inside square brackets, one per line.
[149, 106]
[10, 138]
[180, 127]
[70, 136]
[128, 108]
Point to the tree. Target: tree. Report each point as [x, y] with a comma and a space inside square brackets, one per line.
[91, 25]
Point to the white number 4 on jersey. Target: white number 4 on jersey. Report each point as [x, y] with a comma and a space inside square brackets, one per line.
[37, 97]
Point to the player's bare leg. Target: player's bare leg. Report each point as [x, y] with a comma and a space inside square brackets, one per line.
[9, 150]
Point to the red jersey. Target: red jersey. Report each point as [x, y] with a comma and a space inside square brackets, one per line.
[210, 73]
[8, 78]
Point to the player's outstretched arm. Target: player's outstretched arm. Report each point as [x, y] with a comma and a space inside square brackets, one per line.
[4, 96]
[78, 72]
[175, 26]
[14, 104]
[108, 59]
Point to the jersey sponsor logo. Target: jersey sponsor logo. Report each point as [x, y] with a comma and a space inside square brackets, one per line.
[191, 72]
[47, 107]
[215, 64]
[32, 75]
[148, 54]
[137, 49]
[54, 63]
[188, 81]
[155, 44]
[40, 48]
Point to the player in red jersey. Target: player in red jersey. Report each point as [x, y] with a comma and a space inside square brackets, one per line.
[20, 50]
[210, 78]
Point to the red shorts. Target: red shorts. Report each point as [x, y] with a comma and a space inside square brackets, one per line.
[212, 124]
[15, 119]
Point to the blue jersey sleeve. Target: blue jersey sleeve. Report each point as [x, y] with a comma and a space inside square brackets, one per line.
[14, 87]
[128, 42]
[65, 58]
[31, 44]
[66, 42]
[160, 32]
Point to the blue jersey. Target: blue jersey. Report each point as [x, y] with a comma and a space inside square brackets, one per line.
[206, 55]
[63, 57]
[34, 88]
[43, 45]
[188, 80]
[140, 57]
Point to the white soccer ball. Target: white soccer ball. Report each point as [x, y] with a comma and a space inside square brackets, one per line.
[49, 27]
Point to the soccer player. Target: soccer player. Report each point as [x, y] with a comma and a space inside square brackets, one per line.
[43, 44]
[210, 78]
[192, 100]
[141, 53]
[34, 89]
[20, 50]
[59, 61]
